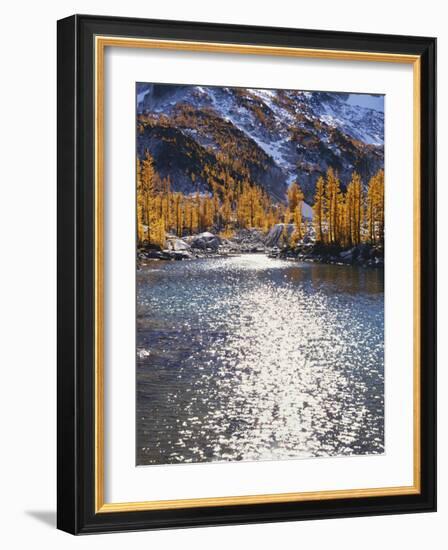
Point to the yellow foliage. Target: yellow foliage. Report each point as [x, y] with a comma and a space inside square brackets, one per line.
[344, 219]
[349, 218]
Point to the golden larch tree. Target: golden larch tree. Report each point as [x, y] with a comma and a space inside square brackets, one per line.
[319, 209]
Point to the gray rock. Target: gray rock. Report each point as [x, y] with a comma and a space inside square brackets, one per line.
[363, 251]
[347, 255]
[273, 238]
[204, 240]
[176, 244]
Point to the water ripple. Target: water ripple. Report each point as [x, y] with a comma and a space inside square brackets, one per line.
[251, 358]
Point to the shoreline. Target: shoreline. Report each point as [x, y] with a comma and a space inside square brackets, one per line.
[345, 257]
[274, 244]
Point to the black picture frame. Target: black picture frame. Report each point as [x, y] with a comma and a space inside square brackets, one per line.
[76, 255]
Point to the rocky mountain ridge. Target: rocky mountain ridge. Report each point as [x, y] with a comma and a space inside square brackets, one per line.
[270, 137]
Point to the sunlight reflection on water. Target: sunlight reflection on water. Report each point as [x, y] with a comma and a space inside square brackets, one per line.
[252, 358]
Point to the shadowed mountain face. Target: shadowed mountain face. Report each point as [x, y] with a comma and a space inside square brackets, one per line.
[269, 137]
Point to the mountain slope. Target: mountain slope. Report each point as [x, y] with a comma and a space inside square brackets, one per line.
[269, 137]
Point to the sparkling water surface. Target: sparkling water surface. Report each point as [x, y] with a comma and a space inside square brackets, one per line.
[253, 358]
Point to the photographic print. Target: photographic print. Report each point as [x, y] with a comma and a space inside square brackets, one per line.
[224, 210]
[259, 274]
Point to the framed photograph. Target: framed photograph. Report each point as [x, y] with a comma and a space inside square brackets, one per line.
[246, 274]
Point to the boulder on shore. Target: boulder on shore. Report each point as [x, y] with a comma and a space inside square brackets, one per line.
[205, 240]
[176, 244]
[347, 255]
[274, 237]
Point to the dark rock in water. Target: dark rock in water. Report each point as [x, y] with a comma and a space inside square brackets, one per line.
[157, 255]
[180, 255]
[166, 255]
[147, 249]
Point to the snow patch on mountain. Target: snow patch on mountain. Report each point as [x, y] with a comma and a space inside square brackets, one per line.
[362, 123]
[294, 128]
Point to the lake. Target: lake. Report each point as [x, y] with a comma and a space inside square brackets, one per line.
[255, 358]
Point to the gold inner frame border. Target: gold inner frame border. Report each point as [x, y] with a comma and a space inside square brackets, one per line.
[101, 43]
